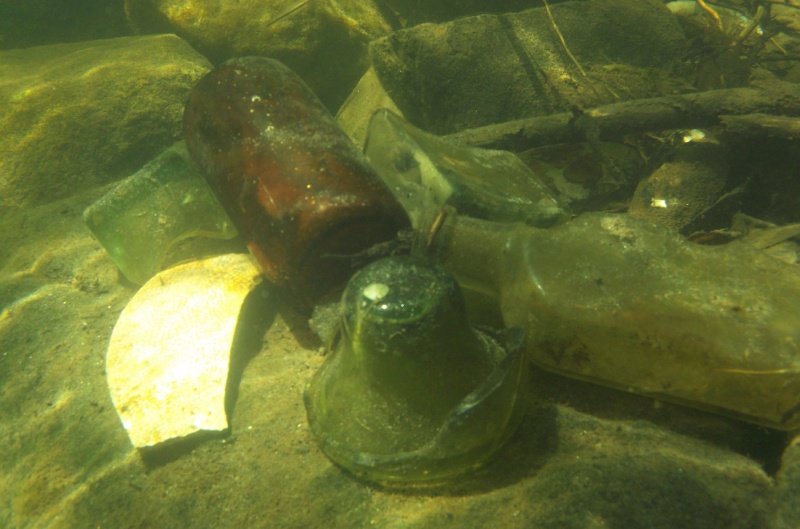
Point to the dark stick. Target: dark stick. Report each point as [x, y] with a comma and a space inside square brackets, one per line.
[609, 122]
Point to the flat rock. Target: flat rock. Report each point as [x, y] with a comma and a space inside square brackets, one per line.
[78, 115]
[167, 362]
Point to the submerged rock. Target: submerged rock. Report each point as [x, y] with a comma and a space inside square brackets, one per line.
[75, 116]
[787, 515]
[488, 69]
[324, 41]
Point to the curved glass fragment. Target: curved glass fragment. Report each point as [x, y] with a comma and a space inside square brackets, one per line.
[426, 171]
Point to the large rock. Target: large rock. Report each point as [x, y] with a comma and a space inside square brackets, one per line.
[489, 69]
[787, 515]
[324, 41]
[77, 115]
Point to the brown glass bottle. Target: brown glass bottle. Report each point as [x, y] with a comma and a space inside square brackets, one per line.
[617, 300]
[294, 185]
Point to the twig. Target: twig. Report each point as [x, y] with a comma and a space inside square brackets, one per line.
[561, 38]
[612, 121]
[708, 9]
[286, 12]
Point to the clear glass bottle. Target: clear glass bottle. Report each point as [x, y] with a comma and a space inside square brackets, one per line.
[618, 301]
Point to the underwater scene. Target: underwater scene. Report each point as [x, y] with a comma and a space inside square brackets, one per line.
[403, 264]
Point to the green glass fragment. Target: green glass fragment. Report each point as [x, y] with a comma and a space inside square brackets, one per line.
[141, 221]
[411, 394]
[426, 171]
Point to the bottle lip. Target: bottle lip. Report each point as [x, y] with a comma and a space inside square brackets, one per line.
[431, 229]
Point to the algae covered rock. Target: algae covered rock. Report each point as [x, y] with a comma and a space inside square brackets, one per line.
[78, 115]
[324, 41]
[488, 69]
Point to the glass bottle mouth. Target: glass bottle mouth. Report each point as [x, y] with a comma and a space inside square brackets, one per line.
[404, 317]
[400, 291]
